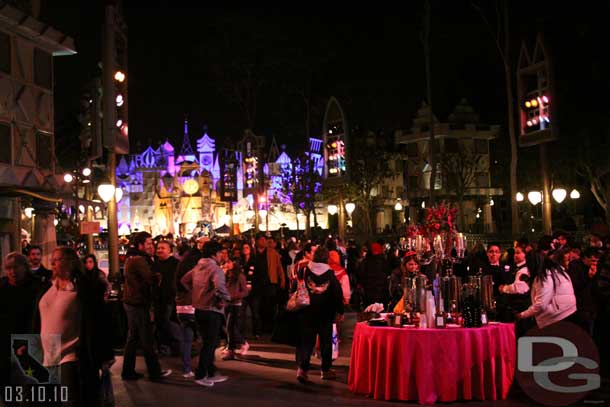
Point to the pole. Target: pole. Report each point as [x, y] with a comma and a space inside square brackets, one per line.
[77, 235]
[256, 222]
[90, 248]
[341, 225]
[231, 217]
[546, 192]
[113, 227]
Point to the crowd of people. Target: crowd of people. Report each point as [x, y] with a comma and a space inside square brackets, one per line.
[216, 289]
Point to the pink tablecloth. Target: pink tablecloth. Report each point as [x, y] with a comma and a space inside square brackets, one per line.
[431, 365]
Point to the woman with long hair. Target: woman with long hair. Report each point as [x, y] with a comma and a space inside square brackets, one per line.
[92, 271]
[71, 308]
[552, 293]
[408, 268]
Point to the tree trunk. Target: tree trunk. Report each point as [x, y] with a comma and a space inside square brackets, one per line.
[307, 224]
[607, 208]
[296, 216]
[431, 142]
[315, 217]
[514, 210]
[461, 209]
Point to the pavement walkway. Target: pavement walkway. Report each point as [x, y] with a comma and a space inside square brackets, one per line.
[266, 376]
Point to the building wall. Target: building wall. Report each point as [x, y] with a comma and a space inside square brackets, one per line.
[27, 152]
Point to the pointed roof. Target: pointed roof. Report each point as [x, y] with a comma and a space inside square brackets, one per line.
[186, 151]
[284, 159]
[206, 144]
[422, 118]
[122, 168]
[274, 151]
[149, 157]
[464, 113]
[167, 147]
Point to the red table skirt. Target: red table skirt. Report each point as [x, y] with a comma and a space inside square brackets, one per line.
[431, 365]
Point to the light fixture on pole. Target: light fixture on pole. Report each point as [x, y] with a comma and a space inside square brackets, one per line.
[535, 197]
[559, 194]
[332, 209]
[68, 177]
[519, 197]
[86, 171]
[106, 191]
[574, 194]
[350, 207]
[118, 194]
[398, 206]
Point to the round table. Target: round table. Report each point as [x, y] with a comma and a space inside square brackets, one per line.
[430, 365]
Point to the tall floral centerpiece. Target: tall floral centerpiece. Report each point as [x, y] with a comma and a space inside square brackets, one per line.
[439, 227]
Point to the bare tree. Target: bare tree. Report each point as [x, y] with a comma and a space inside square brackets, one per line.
[593, 165]
[304, 185]
[460, 171]
[427, 54]
[369, 166]
[500, 34]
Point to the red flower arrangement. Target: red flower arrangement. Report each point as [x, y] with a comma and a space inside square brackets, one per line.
[439, 218]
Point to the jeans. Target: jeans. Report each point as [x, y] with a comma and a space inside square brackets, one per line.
[187, 327]
[234, 327]
[263, 302]
[209, 324]
[140, 330]
[168, 330]
[311, 326]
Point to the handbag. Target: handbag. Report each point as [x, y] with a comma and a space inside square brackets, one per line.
[300, 298]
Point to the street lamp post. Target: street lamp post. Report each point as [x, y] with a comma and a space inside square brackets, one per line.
[76, 179]
[535, 197]
[350, 207]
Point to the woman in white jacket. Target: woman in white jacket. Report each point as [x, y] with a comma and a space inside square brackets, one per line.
[552, 294]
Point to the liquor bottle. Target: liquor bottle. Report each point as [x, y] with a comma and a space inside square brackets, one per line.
[484, 320]
[439, 319]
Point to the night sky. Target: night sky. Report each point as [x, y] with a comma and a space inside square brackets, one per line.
[370, 58]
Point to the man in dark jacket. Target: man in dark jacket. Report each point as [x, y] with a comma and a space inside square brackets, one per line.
[165, 268]
[39, 271]
[17, 293]
[582, 273]
[373, 276]
[137, 299]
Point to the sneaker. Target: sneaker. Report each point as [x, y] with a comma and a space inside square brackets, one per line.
[217, 378]
[244, 348]
[230, 355]
[162, 375]
[329, 375]
[132, 376]
[188, 375]
[204, 382]
[302, 376]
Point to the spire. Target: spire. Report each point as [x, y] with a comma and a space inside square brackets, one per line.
[186, 151]
[274, 151]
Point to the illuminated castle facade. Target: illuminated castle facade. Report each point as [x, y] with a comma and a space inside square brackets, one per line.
[182, 192]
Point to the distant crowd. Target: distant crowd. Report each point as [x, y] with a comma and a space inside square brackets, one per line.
[208, 291]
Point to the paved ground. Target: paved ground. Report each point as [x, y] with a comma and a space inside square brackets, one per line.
[265, 377]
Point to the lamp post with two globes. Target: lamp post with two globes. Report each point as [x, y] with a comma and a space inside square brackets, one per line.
[110, 194]
[77, 179]
[536, 197]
